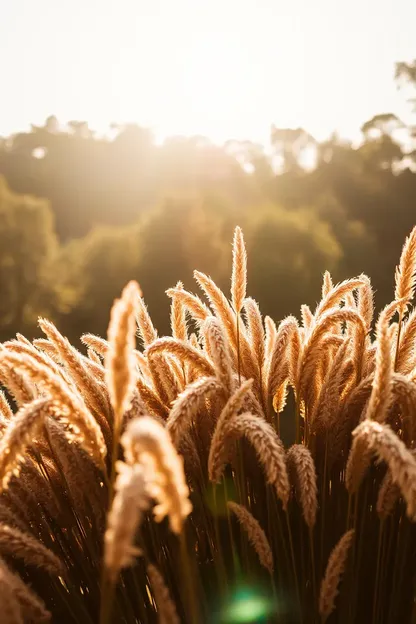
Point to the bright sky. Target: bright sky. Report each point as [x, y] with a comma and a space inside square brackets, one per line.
[222, 68]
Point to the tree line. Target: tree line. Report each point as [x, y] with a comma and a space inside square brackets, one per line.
[81, 214]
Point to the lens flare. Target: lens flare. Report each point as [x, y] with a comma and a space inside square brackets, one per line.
[247, 607]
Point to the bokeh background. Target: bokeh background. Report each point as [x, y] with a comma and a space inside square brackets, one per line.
[136, 135]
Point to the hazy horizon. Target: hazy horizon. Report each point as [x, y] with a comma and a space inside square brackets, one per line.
[220, 69]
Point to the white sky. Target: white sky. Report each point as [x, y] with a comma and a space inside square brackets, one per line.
[222, 68]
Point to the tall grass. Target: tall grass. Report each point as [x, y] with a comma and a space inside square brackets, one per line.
[237, 471]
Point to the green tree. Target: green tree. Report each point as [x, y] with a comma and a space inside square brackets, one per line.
[28, 248]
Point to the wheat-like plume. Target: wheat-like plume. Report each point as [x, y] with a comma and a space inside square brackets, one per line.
[130, 502]
[151, 399]
[336, 294]
[5, 409]
[307, 317]
[255, 330]
[255, 534]
[11, 611]
[406, 355]
[278, 367]
[31, 607]
[20, 388]
[21, 431]
[166, 609]
[120, 363]
[146, 329]
[72, 360]
[183, 351]
[68, 406]
[381, 393]
[380, 439]
[327, 284]
[219, 451]
[239, 272]
[326, 408]
[146, 442]
[220, 353]
[388, 495]
[302, 467]
[178, 316]
[334, 570]
[188, 404]
[193, 304]
[269, 449]
[405, 273]
[24, 547]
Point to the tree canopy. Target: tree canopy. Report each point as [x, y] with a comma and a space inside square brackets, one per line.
[81, 214]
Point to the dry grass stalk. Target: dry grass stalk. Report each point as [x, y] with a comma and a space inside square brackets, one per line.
[164, 381]
[183, 351]
[280, 396]
[388, 495]
[178, 317]
[20, 433]
[18, 545]
[278, 368]
[99, 345]
[120, 363]
[406, 356]
[72, 361]
[365, 301]
[270, 337]
[327, 405]
[93, 356]
[239, 272]
[22, 391]
[49, 349]
[31, 607]
[404, 395]
[269, 450]
[307, 317]
[334, 570]
[218, 451]
[302, 467]
[11, 612]
[67, 406]
[147, 331]
[220, 306]
[380, 439]
[336, 294]
[5, 409]
[359, 460]
[311, 351]
[381, 394]
[327, 284]
[220, 353]
[255, 330]
[150, 399]
[146, 442]
[23, 339]
[166, 609]
[65, 454]
[255, 534]
[188, 404]
[193, 304]
[405, 273]
[16, 346]
[129, 504]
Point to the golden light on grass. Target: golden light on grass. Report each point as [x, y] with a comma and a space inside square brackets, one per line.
[163, 482]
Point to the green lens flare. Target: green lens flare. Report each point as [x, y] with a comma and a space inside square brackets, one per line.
[247, 607]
